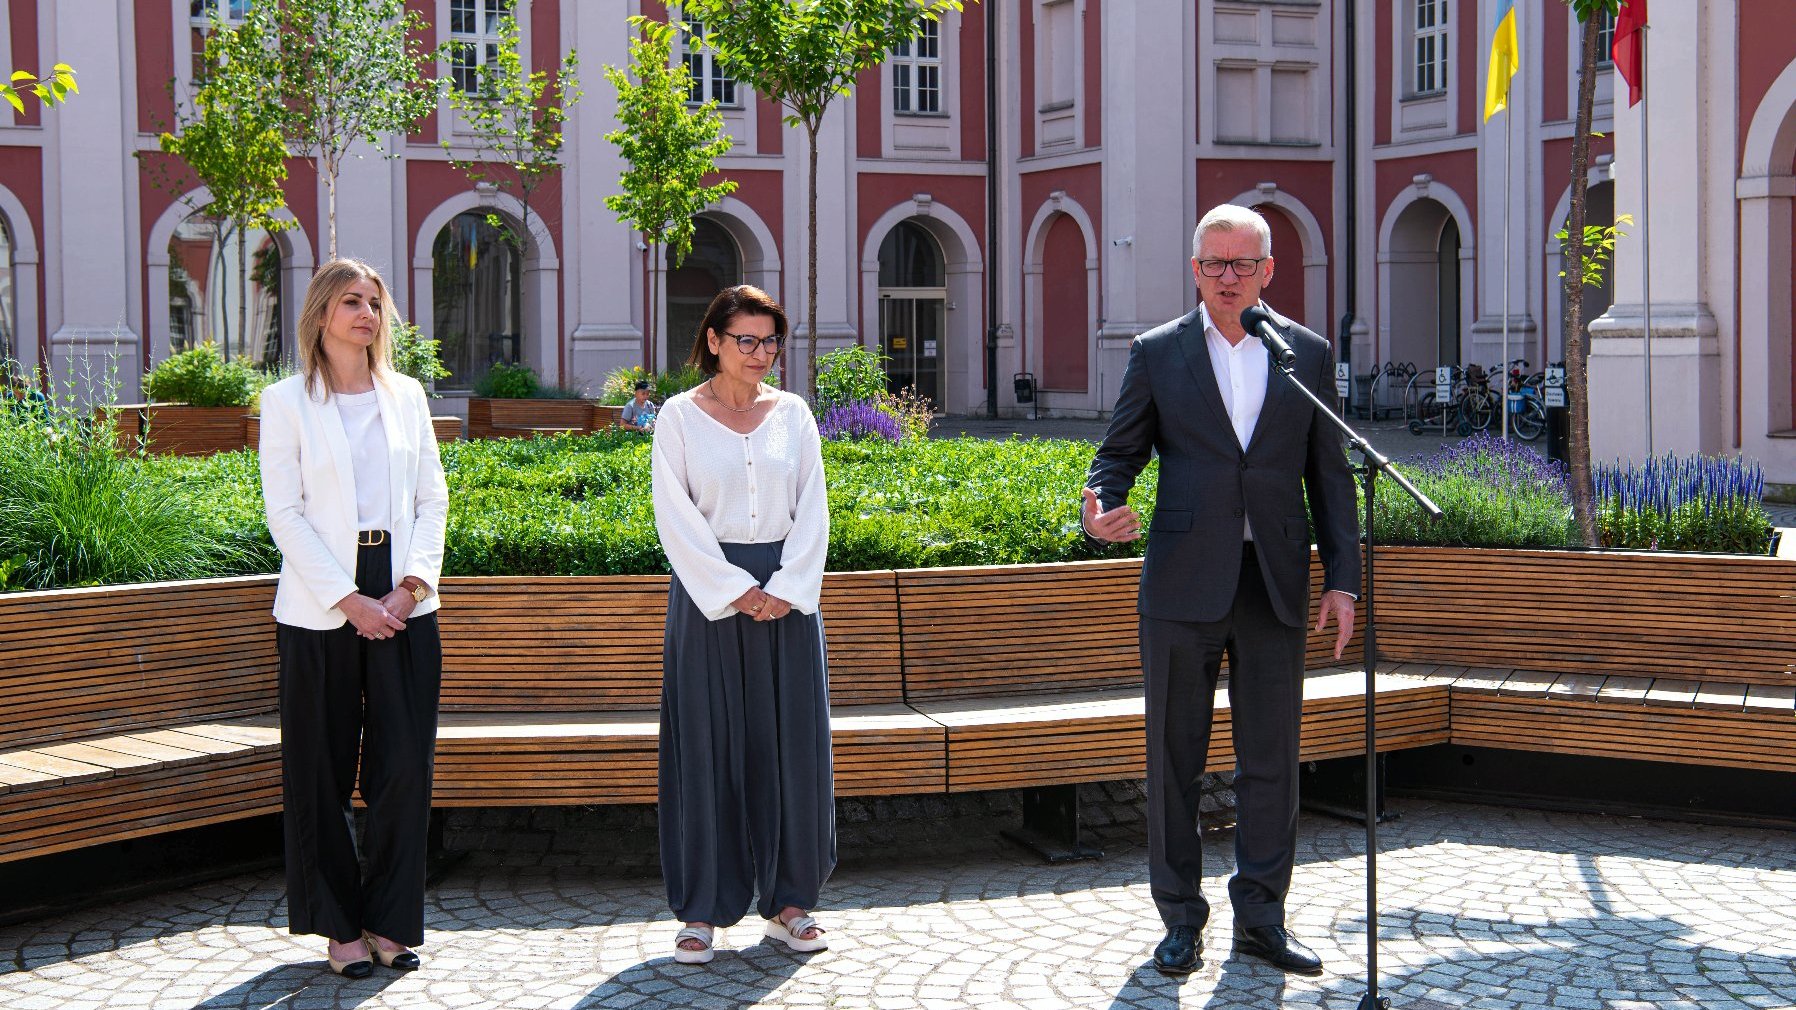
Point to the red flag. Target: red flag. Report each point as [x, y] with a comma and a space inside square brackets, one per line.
[1629, 48]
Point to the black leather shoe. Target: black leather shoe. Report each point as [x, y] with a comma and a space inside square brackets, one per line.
[1178, 953]
[1277, 947]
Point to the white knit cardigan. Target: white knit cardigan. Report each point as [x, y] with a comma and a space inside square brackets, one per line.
[715, 486]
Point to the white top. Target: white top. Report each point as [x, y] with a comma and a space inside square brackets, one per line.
[1242, 370]
[716, 486]
[367, 456]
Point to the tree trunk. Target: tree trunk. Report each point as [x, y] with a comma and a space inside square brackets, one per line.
[654, 261]
[243, 283]
[1577, 365]
[330, 190]
[810, 295]
[222, 236]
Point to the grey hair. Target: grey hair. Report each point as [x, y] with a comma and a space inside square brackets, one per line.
[1228, 217]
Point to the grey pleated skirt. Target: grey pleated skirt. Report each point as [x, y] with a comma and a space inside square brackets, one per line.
[747, 790]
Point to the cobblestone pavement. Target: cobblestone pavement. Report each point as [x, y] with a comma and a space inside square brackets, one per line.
[1483, 907]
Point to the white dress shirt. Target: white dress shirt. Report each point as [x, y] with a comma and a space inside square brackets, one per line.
[714, 486]
[1242, 370]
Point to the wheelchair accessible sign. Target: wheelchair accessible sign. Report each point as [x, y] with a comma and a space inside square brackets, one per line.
[1553, 387]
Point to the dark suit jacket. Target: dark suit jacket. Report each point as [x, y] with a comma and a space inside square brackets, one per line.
[1170, 403]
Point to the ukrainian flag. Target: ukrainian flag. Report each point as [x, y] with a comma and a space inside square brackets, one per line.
[1505, 60]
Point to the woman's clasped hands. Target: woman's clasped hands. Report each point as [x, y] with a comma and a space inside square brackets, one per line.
[376, 619]
[760, 606]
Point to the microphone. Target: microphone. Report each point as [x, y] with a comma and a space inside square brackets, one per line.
[1257, 321]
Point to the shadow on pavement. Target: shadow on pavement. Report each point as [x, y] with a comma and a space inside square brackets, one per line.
[283, 986]
[741, 977]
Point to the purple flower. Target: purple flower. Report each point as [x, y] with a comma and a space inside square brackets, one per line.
[859, 419]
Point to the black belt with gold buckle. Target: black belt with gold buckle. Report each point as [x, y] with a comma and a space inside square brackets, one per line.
[371, 538]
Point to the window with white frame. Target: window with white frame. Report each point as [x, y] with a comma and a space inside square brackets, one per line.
[474, 39]
[1605, 38]
[917, 72]
[200, 12]
[1430, 76]
[708, 79]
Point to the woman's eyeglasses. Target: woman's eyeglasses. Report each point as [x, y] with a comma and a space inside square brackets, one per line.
[749, 343]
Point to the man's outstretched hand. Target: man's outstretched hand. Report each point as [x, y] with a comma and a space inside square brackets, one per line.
[1116, 526]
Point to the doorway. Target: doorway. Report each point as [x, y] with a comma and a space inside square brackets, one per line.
[913, 306]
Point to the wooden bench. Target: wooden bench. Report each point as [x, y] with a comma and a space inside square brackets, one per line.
[130, 711]
[1680, 658]
[504, 418]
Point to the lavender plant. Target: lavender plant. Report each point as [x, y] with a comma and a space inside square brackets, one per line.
[1493, 493]
[860, 419]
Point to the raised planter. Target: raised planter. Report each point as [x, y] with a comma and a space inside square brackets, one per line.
[177, 429]
[448, 428]
[490, 417]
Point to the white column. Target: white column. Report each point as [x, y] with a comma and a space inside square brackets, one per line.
[1145, 236]
[1486, 338]
[1690, 273]
[603, 299]
[89, 182]
[838, 259]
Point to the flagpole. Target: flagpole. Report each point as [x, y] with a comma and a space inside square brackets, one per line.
[1646, 250]
[1503, 385]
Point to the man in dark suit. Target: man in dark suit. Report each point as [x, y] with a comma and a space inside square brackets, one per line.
[1227, 572]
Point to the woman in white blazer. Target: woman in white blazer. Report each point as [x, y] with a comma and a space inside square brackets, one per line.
[357, 505]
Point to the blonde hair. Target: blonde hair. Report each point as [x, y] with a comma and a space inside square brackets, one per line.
[1228, 217]
[327, 286]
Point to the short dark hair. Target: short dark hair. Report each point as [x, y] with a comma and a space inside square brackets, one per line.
[741, 300]
[643, 384]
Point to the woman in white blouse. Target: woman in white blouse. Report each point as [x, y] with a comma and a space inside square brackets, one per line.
[747, 791]
[357, 504]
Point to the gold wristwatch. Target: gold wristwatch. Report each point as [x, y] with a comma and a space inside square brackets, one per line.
[418, 590]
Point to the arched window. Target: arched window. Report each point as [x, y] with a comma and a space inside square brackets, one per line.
[9, 302]
[475, 308]
[713, 264]
[224, 286]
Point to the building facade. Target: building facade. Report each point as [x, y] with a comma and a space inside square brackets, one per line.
[1104, 130]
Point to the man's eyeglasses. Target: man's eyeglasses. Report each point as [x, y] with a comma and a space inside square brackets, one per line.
[1241, 267]
[748, 343]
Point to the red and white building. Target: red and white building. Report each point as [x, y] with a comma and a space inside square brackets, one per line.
[1117, 124]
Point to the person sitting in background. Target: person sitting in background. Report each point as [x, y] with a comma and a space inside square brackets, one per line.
[639, 413]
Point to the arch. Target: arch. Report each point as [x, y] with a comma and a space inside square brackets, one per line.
[296, 269]
[1032, 353]
[26, 263]
[1410, 249]
[713, 263]
[1766, 192]
[1551, 340]
[541, 282]
[756, 248]
[962, 362]
[1309, 235]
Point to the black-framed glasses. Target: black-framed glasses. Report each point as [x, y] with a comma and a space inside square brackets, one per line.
[1241, 267]
[748, 343]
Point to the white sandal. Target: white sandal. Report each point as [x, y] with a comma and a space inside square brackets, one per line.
[792, 934]
[706, 935]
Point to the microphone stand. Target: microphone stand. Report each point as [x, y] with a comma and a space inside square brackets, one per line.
[1372, 463]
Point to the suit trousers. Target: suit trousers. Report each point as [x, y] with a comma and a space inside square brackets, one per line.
[345, 697]
[1180, 662]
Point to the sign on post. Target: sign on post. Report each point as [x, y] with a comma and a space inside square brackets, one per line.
[1343, 379]
[1553, 388]
[1443, 383]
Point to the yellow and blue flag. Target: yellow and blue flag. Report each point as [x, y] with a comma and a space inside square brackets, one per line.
[1505, 60]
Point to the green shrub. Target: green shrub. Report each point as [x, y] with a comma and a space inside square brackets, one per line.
[201, 378]
[506, 381]
[416, 355]
[1492, 493]
[77, 510]
[849, 374]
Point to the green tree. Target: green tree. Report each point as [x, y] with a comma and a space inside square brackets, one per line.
[515, 118]
[670, 149]
[49, 90]
[803, 54]
[1577, 357]
[349, 71]
[229, 136]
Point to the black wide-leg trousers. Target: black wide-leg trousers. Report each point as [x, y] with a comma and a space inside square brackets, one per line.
[345, 697]
[1180, 663]
[747, 792]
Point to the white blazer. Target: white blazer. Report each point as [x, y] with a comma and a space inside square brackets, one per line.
[308, 486]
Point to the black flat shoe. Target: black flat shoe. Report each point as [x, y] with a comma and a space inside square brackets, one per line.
[1277, 947]
[1178, 954]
